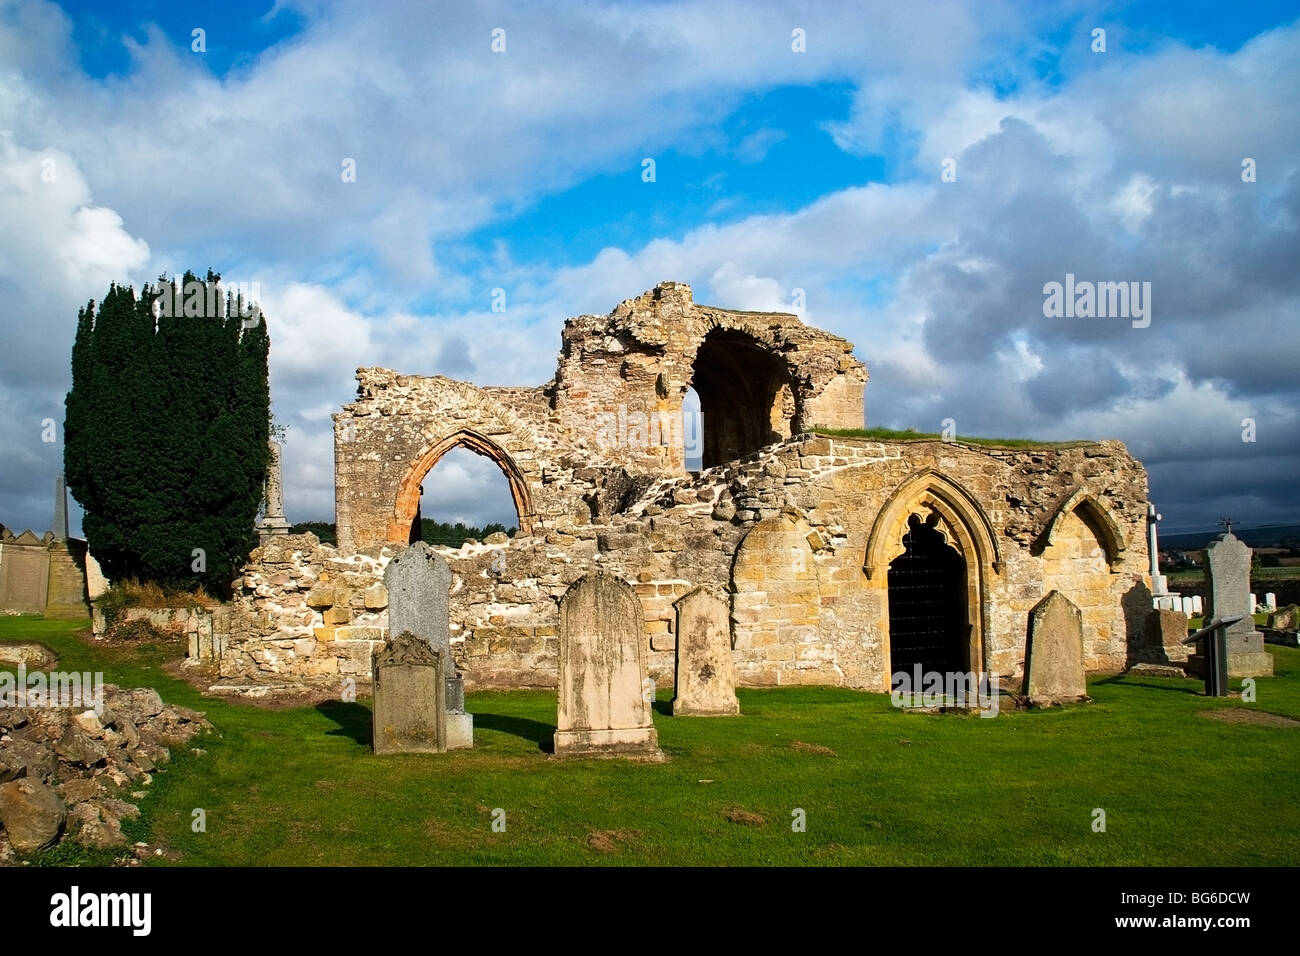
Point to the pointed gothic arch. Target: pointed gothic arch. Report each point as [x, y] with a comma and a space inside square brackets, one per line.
[407, 502]
[1100, 519]
[931, 500]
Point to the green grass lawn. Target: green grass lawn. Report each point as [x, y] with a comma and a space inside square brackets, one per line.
[878, 786]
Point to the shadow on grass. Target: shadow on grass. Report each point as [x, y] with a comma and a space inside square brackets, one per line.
[353, 720]
[664, 708]
[1191, 686]
[539, 733]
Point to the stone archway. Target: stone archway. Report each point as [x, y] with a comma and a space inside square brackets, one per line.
[408, 491]
[746, 401]
[940, 504]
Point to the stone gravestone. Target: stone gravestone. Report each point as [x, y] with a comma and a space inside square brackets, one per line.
[1163, 635]
[706, 674]
[604, 705]
[1054, 655]
[1284, 618]
[1228, 568]
[419, 585]
[66, 592]
[410, 697]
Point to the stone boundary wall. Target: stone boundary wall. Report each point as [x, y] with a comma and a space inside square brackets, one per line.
[207, 631]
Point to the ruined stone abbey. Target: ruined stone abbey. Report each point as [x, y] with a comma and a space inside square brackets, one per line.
[843, 559]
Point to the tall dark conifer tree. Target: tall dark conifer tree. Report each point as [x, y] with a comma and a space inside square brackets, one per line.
[166, 432]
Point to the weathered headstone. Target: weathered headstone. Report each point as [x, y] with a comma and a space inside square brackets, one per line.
[1054, 655]
[604, 698]
[410, 711]
[706, 674]
[1228, 567]
[1284, 618]
[419, 585]
[1163, 635]
[66, 592]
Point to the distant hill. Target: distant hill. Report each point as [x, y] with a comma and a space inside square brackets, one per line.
[1264, 536]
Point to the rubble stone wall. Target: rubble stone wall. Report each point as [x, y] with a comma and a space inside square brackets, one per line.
[800, 535]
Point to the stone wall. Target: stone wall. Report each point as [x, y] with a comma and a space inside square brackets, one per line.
[800, 535]
[43, 575]
[586, 444]
[206, 631]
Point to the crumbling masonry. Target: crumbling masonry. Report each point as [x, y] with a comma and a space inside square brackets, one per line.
[844, 558]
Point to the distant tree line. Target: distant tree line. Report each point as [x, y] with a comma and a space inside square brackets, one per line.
[434, 532]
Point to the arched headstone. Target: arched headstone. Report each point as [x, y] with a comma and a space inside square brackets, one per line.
[706, 674]
[604, 694]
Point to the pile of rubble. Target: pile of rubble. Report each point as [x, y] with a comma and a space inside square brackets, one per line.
[64, 772]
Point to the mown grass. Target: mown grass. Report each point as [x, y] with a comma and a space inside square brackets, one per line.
[878, 786]
[891, 434]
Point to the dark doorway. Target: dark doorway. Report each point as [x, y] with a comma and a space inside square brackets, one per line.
[928, 623]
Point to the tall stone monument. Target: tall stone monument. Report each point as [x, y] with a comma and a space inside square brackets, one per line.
[604, 692]
[1227, 568]
[410, 713]
[419, 584]
[706, 675]
[60, 509]
[273, 520]
[1054, 655]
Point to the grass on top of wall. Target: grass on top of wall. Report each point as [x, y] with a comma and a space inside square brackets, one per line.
[891, 434]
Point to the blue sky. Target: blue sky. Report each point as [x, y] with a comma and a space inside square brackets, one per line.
[774, 171]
